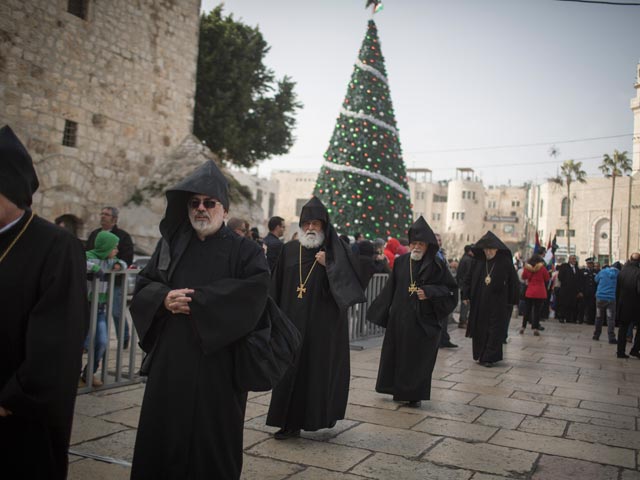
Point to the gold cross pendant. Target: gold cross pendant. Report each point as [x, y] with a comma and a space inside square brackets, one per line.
[487, 280]
[301, 290]
[413, 288]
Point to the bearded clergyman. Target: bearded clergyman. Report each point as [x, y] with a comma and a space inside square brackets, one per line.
[420, 292]
[494, 291]
[204, 288]
[315, 280]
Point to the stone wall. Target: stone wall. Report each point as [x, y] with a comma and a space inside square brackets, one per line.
[125, 75]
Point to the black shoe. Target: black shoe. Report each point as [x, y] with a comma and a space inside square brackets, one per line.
[595, 337]
[541, 328]
[414, 404]
[448, 345]
[622, 355]
[634, 353]
[613, 341]
[125, 345]
[561, 320]
[486, 364]
[283, 434]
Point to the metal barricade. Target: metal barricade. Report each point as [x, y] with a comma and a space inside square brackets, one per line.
[118, 366]
[359, 326]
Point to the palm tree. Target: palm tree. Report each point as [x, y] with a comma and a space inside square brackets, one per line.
[570, 172]
[613, 167]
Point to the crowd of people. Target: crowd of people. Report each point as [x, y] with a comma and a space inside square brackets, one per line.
[214, 289]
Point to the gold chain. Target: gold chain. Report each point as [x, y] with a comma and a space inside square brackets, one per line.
[301, 289]
[8, 249]
[412, 286]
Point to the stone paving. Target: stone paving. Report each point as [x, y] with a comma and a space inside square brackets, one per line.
[560, 406]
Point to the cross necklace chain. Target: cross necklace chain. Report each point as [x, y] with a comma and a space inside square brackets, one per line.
[412, 286]
[301, 289]
[15, 240]
[487, 279]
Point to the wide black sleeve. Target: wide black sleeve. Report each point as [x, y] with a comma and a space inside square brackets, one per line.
[378, 312]
[55, 330]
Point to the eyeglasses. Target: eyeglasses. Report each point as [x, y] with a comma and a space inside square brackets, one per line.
[208, 203]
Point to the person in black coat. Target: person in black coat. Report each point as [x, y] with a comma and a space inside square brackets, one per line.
[272, 240]
[463, 275]
[494, 290]
[44, 321]
[571, 286]
[420, 292]
[628, 303]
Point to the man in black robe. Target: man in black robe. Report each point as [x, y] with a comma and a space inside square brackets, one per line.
[315, 280]
[570, 290]
[203, 289]
[43, 323]
[493, 292]
[628, 304]
[420, 292]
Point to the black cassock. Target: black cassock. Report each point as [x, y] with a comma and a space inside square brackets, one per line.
[313, 394]
[44, 321]
[412, 337]
[192, 414]
[491, 304]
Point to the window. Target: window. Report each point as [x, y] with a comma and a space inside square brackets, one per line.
[560, 233]
[461, 215]
[492, 204]
[259, 196]
[541, 205]
[299, 204]
[272, 204]
[508, 228]
[515, 203]
[78, 8]
[473, 194]
[70, 134]
[439, 198]
[464, 194]
[564, 208]
[572, 233]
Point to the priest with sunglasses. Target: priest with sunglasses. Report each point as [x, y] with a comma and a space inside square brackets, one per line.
[420, 292]
[204, 288]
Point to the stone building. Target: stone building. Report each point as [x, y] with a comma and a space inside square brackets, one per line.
[294, 189]
[590, 209]
[100, 93]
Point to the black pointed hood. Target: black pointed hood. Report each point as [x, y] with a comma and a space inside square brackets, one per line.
[420, 231]
[18, 179]
[489, 240]
[314, 209]
[208, 180]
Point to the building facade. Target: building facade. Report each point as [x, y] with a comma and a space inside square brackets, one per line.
[99, 92]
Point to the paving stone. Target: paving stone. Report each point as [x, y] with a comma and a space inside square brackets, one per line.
[522, 386]
[508, 404]
[253, 395]
[385, 467]
[95, 470]
[118, 445]
[381, 416]
[359, 372]
[595, 417]
[450, 411]
[88, 428]
[630, 475]
[313, 473]
[363, 383]
[383, 439]
[450, 428]
[565, 448]
[549, 399]
[251, 437]
[453, 396]
[441, 384]
[472, 379]
[370, 398]
[262, 399]
[482, 456]
[254, 468]
[94, 405]
[254, 410]
[132, 396]
[559, 468]
[308, 452]
[594, 396]
[483, 389]
[543, 426]
[484, 476]
[500, 419]
[129, 417]
[325, 434]
[610, 408]
[604, 435]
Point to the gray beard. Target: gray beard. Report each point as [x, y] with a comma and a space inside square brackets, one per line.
[417, 256]
[311, 240]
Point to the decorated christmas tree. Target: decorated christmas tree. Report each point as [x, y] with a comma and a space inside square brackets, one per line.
[363, 180]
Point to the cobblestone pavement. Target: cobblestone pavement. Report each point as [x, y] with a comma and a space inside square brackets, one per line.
[560, 406]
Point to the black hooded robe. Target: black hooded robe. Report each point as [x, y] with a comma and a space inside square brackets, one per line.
[43, 324]
[413, 332]
[313, 394]
[491, 304]
[628, 302]
[192, 415]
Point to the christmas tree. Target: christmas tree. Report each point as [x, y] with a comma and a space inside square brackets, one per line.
[363, 180]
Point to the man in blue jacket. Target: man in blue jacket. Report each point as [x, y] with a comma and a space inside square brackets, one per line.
[606, 301]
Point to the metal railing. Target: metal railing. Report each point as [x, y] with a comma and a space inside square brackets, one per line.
[118, 367]
[359, 327]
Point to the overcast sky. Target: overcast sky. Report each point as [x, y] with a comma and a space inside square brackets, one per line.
[469, 79]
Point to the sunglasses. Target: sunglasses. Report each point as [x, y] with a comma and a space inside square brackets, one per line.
[208, 203]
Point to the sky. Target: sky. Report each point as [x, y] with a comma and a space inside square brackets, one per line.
[491, 85]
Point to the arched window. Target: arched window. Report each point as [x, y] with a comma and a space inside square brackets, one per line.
[564, 208]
